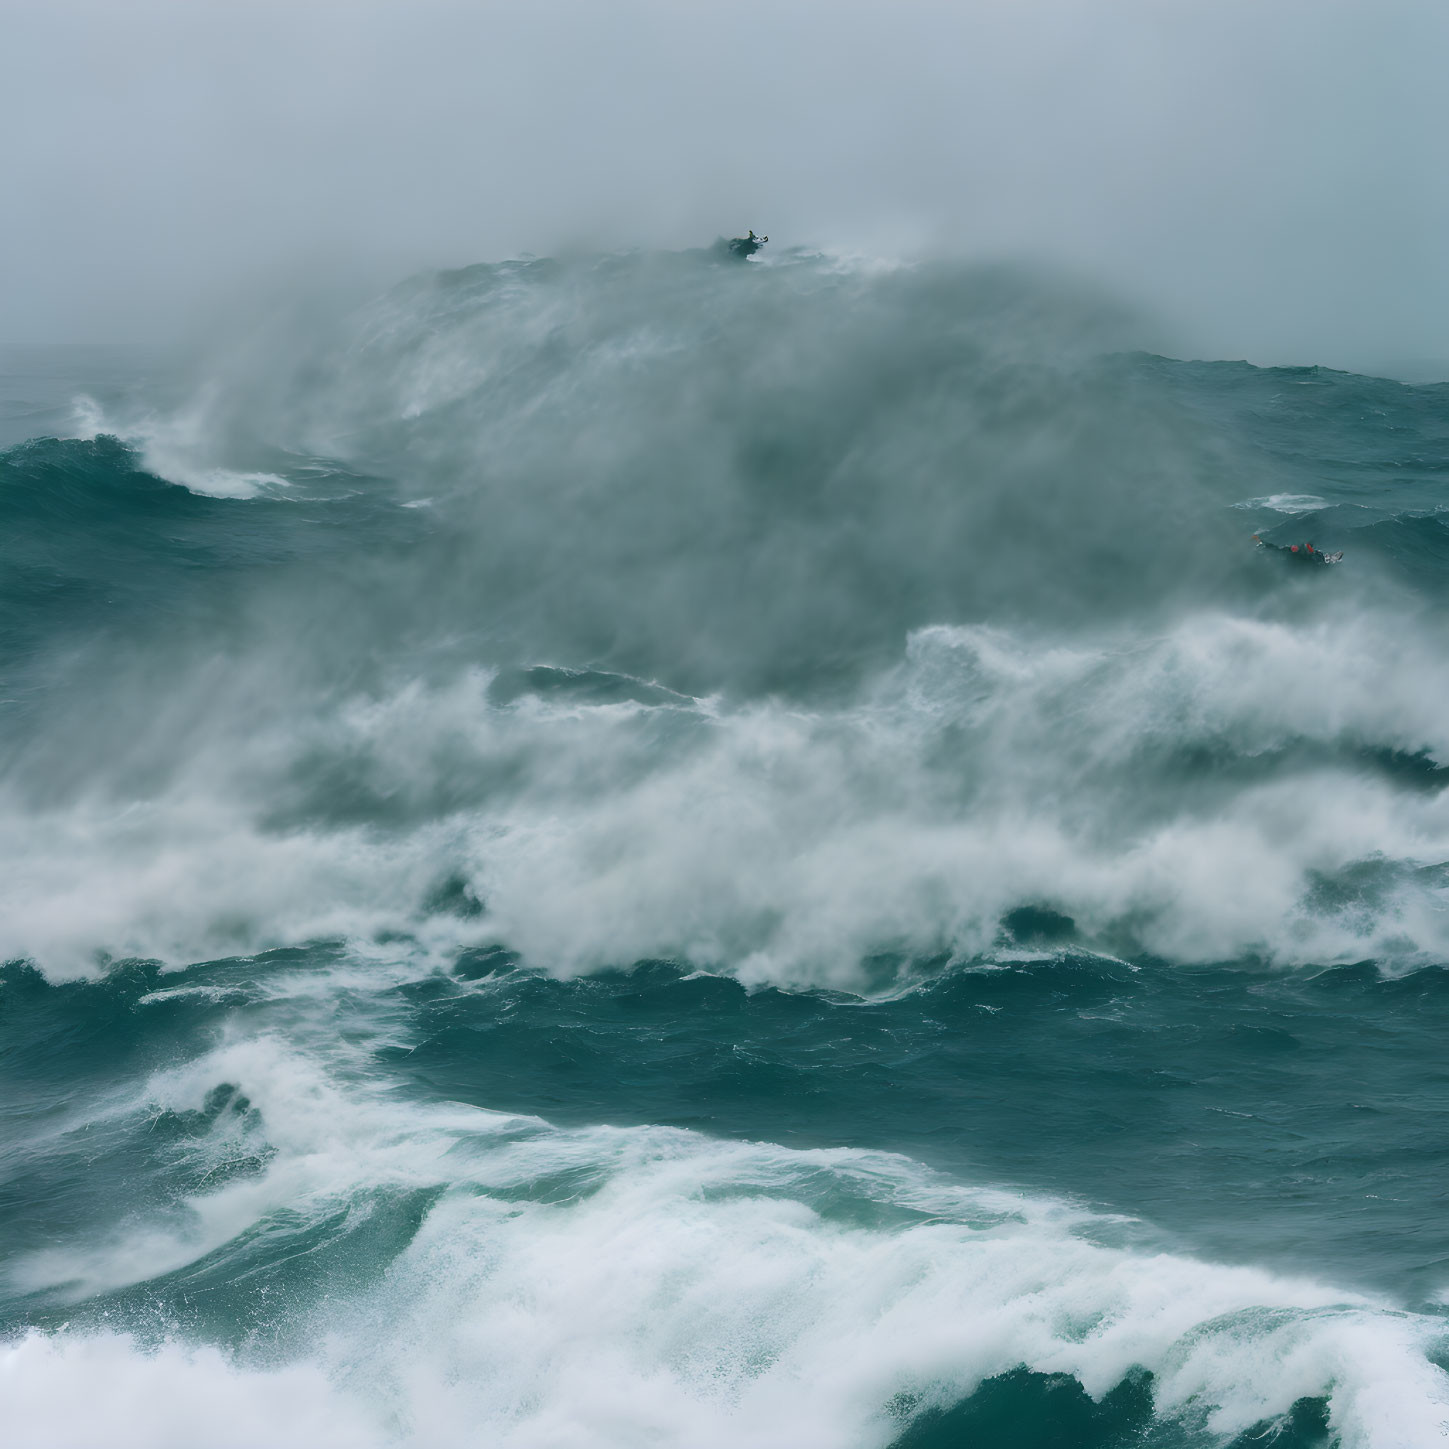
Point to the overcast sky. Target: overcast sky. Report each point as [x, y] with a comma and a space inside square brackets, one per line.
[1268, 177]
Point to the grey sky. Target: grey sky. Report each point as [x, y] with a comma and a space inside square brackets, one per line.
[1266, 175]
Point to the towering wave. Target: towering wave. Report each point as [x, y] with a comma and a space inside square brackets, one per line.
[772, 616]
[857, 631]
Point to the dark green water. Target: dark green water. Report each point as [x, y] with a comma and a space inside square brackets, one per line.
[650, 852]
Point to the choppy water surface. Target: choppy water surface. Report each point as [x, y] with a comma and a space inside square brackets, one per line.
[650, 851]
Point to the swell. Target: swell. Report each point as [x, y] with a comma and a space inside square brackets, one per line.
[1041, 1066]
[304, 1233]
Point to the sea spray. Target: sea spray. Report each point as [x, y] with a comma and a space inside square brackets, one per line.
[640, 849]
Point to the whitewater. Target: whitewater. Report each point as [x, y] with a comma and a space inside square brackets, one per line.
[652, 849]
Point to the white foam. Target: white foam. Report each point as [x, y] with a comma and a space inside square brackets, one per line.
[73, 1391]
[986, 771]
[176, 447]
[611, 1287]
[1285, 502]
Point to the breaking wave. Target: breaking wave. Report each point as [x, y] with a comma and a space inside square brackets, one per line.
[562, 831]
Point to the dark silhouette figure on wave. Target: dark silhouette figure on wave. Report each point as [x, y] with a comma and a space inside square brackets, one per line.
[745, 247]
[1304, 553]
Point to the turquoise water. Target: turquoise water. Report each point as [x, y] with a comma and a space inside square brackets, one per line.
[644, 851]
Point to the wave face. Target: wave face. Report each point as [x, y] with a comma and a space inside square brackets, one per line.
[653, 850]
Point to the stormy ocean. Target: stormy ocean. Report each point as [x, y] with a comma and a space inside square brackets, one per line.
[645, 850]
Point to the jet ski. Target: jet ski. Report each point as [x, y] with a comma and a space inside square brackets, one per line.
[745, 247]
[1301, 553]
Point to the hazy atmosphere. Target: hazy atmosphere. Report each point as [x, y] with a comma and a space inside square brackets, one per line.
[1263, 177]
[619, 833]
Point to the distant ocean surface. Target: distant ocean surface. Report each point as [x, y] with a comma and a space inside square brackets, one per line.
[657, 851]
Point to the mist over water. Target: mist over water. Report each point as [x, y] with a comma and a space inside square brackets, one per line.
[906, 589]
[1265, 179]
[642, 848]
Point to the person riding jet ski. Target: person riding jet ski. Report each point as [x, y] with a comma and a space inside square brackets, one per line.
[746, 246]
[1301, 552]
